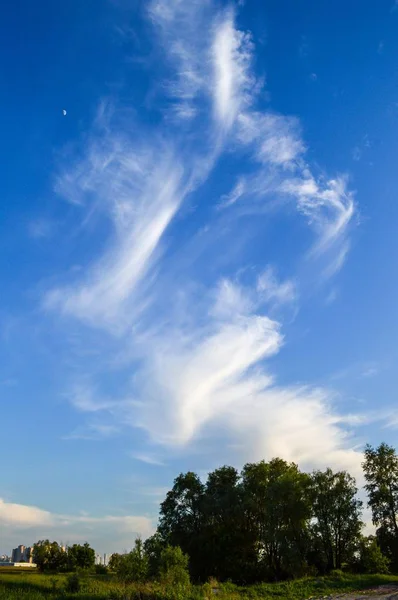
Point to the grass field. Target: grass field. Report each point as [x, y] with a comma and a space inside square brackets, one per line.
[35, 586]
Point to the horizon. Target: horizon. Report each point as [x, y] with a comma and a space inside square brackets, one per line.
[198, 241]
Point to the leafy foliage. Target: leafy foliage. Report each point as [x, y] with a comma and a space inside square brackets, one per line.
[278, 509]
[337, 514]
[270, 522]
[174, 566]
[80, 557]
[381, 474]
[153, 547]
[49, 556]
[133, 566]
[371, 559]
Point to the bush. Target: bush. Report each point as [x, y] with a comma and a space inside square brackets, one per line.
[337, 573]
[133, 566]
[73, 585]
[174, 566]
[174, 573]
[371, 558]
[101, 570]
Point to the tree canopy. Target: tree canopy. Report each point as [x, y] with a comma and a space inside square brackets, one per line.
[270, 521]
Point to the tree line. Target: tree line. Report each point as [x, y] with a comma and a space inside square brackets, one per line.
[51, 556]
[272, 521]
[269, 522]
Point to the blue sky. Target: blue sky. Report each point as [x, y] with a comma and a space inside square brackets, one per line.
[198, 258]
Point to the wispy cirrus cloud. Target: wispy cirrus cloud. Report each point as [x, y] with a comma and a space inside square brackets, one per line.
[329, 207]
[233, 83]
[206, 366]
[140, 194]
[176, 24]
[148, 459]
[41, 228]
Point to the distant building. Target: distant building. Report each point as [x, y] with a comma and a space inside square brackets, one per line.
[22, 555]
[18, 554]
[102, 559]
[28, 555]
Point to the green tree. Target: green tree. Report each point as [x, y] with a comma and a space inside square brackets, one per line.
[153, 547]
[278, 509]
[114, 562]
[224, 532]
[181, 518]
[337, 513]
[133, 566]
[174, 567]
[80, 556]
[370, 557]
[381, 474]
[49, 556]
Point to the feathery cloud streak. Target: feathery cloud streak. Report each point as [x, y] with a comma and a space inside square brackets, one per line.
[206, 366]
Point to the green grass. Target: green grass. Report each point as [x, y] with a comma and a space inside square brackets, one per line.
[315, 587]
[36, 586]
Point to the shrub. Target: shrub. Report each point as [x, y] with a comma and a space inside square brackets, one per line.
[101, 570]
[337, 573]
[174, 573]
[133, 566]
[174, 566]
[371, 558]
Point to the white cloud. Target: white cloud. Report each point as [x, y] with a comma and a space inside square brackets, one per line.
[230, 301]
[148, 459]
[176, 24]
[215, 377]
[188, 383]
[331, 296]
[214, 64]
[141, 191]
[19, 515]
[231, 56]
[207, 368]
[329, 208]
[85, 399]
[218, 381]
[271, 289]
[93, 432]
[299, 424]
[41, 228]
[371, 371]
[276, 138]
[233, 196]
[356, 153]
[107, 533]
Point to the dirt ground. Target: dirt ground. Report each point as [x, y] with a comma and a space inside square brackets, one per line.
[384, 592]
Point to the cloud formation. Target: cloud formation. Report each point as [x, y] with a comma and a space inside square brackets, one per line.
[34, 523]
[206, 365]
